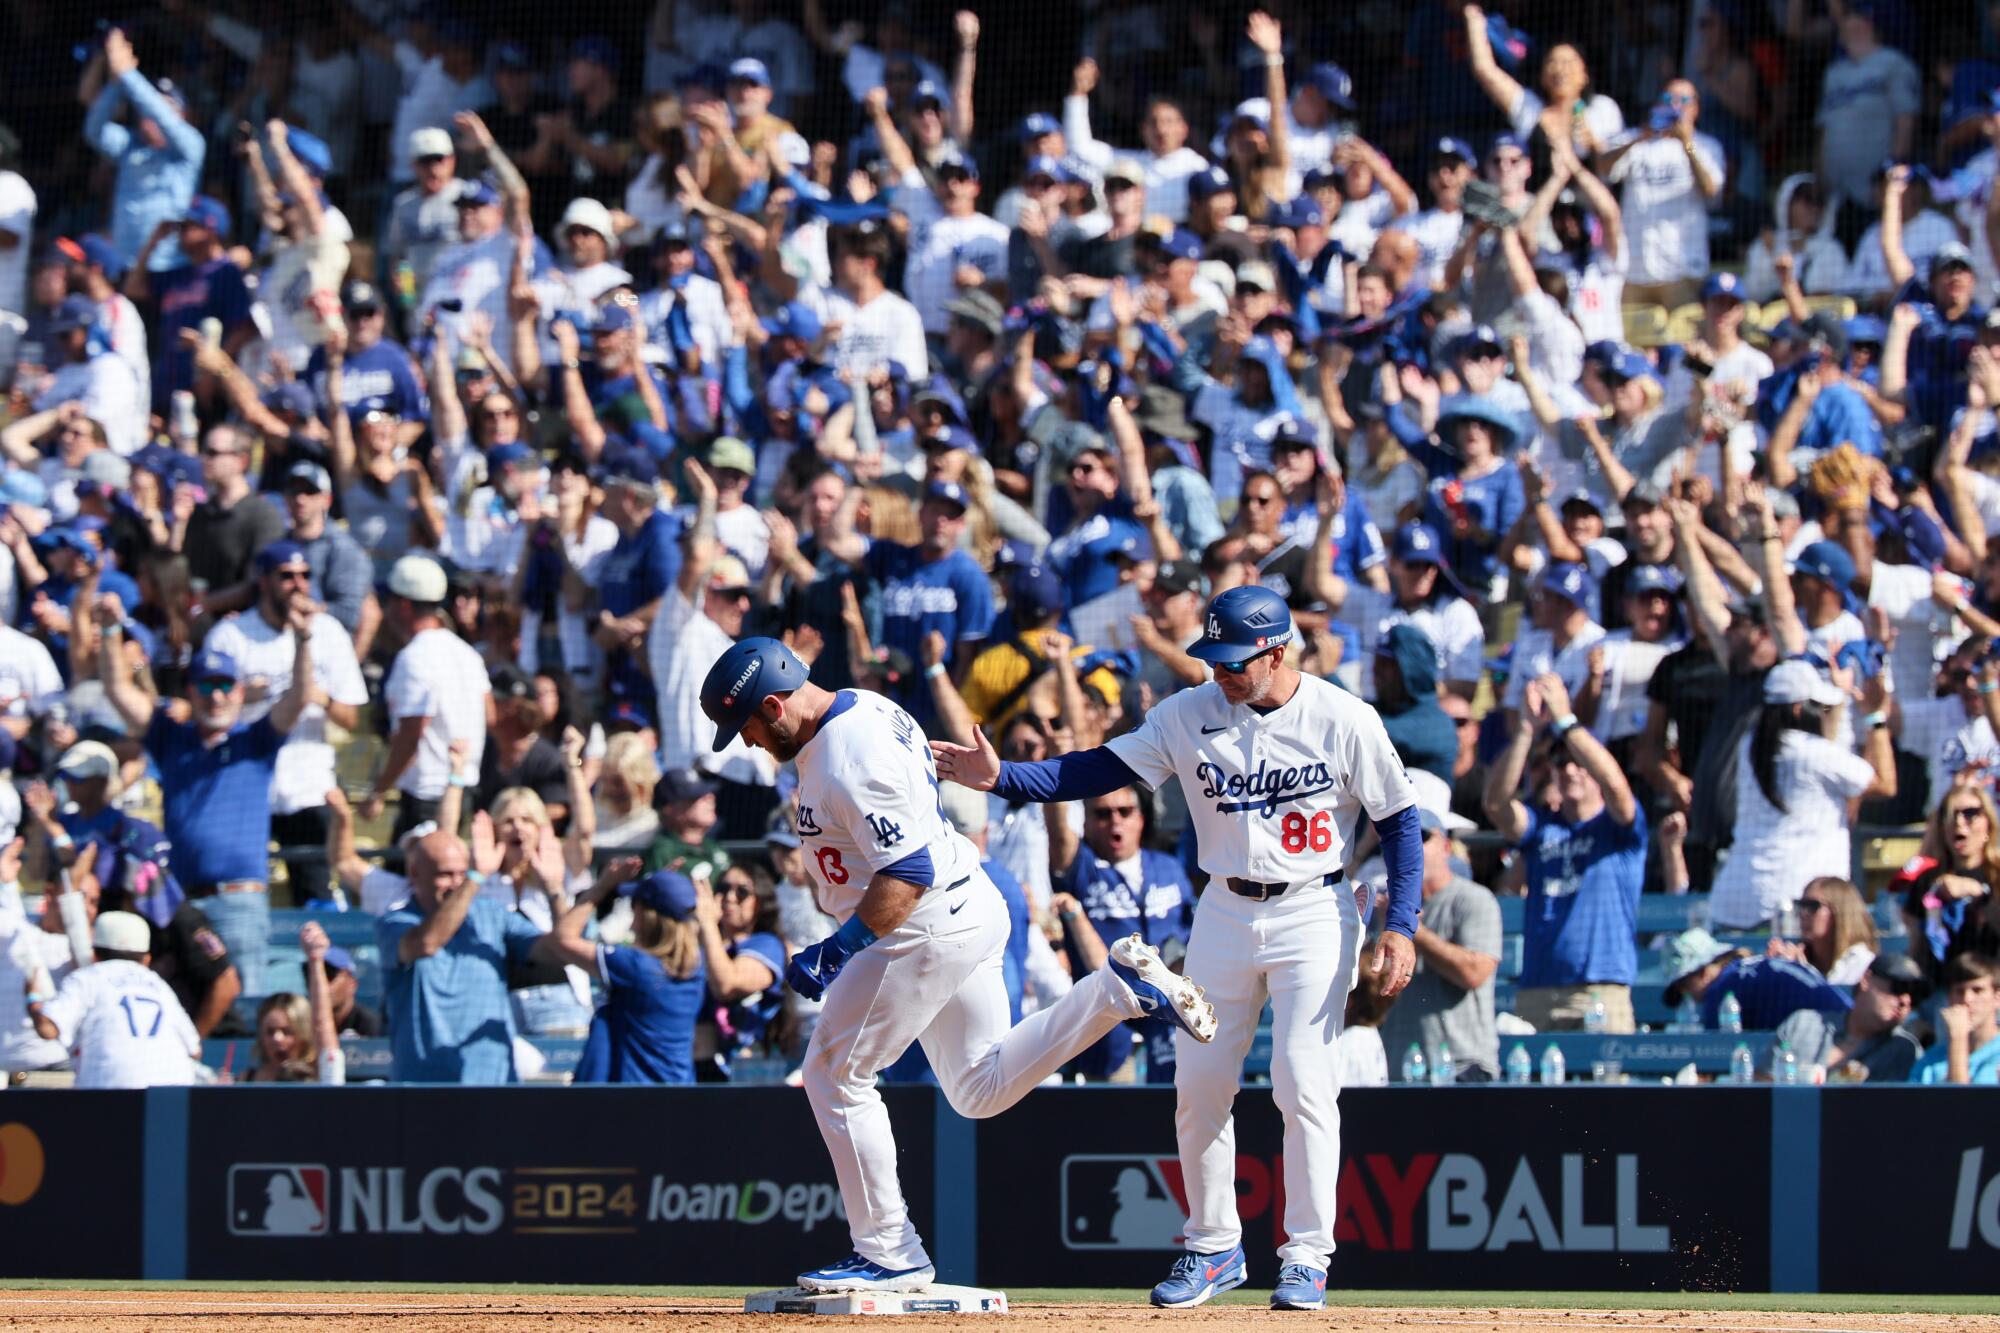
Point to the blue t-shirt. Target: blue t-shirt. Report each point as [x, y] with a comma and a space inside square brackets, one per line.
[1494, 502]
[1014, 963]
[1160, 912]
[741, 1025]
[187, 296]
[217, 797]
[1581, 921]
[1770, 991]
[1934, 1067]
[951, 596]
[379, 370]
[1082, 556]
[1357, 542]
[1939, 351]
[645, 1031]
[448, 1016]
[641, 567]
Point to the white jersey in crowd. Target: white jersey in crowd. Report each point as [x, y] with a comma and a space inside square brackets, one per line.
[1274, 796]
[1436, 233]
[1665, 215]
[441, 677]
[25, 947]
[1449, 623]
[263, 653]
[939, 244]
[474, 273]
[1776, 853]
[29, 681]
[707, 313]
[886, 330]
[109, 392]
[125, 1026]
[1923, 236]
[1628, 668]
[1536, 654]
[1360, 221]
[868, 799]
[17, 219]
[679, 647]
[1166, 174]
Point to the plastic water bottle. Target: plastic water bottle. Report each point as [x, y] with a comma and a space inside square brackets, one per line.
[1784, 1065]
[1415, 1069]
[1687, 1018]
[1520, 1066]
[1742, 1068]
[1788, 923]
[1444, 1073]
[1555, 1070]
[1729, 1018]
[1594, 1017]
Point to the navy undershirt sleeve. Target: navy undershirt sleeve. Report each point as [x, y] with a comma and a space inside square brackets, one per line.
[1070, 777]
[1403, 855]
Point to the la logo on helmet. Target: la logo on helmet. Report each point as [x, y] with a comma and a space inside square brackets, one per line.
[1214, 627]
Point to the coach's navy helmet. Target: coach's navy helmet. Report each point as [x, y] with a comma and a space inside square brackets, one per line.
[742, 678]
[1242, 623]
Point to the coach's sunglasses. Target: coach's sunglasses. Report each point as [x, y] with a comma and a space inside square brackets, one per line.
[1238, 668]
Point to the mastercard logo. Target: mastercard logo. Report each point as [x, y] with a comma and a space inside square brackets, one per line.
[21, 1164]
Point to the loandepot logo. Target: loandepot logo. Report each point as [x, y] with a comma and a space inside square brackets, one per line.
[21, 1164]
[751, 1202]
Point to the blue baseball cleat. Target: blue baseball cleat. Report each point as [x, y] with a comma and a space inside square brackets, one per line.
[1162, 991]
[1300, 1287]
[1196, 1277]
[855, 1273]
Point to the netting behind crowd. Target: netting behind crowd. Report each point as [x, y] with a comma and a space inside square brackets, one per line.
[1566, 367]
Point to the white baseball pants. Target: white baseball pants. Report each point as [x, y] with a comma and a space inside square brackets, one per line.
[937, 979]
[1301, 949]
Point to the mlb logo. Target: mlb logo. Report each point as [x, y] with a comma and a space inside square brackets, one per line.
[1123, 1202]
[277, 1199]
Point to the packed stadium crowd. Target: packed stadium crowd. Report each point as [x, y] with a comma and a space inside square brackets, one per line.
[405, 410]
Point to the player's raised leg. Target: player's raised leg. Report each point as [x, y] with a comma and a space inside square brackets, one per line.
[984, 1066]
[1309, 956]
[1206, 1078]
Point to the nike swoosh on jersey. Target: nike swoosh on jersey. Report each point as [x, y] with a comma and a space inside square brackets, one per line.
[1210, 731]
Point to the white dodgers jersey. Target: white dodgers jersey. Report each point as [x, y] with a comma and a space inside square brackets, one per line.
[868, 799]
[1274, 796]
[126, 1026]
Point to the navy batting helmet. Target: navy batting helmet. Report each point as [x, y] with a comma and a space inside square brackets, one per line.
[744, 677]
[1242, 623]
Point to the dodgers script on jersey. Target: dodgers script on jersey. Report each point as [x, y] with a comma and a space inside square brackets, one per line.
[1274, 796]
[868, 799]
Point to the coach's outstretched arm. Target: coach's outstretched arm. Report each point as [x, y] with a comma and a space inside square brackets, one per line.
[1069, 777]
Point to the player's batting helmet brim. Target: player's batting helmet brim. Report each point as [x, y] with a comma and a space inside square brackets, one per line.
[1208, 650]
[742, 678]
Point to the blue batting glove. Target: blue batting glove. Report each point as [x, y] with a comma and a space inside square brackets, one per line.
[814, 967]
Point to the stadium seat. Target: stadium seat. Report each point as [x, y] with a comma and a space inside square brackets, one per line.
[1645, 325]
[1684, 323]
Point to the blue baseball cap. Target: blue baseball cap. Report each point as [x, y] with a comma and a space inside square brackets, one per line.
[338, 959]
[311, 151]
[1630, 366]
[1830, 563]
[511, 454]
[749, 69]
[205, 211]
[279, 554]
[1037, 124]
[1300, 212]
[1571, 582]
[749, 672]
[1182, 244]
[311, 475]
[1866, 329]
[1500, 141]
[512, 55]
[927, 91]
[1418, 543]
[98, 250]
[950, 492]
[951, 437]
[1651, 578]
[1332, 82]
[1476, 339]
[667, 892]
[1475, 407]
[1321, 178]
[291, 396]
[475, 194]
[75, 312]
[1035, 592]
[358, 413]
[964, 164]
[596, 48]
[795, 319]
[23, 488]
[1604, 352]
[1209, 183]
[1135, 545]
[629, 713]
[1722, 283]
[214, 665]
[1041, 164]
[616, 317]
[1454, 147]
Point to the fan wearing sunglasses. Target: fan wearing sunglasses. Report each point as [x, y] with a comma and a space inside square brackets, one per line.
[1278, 767]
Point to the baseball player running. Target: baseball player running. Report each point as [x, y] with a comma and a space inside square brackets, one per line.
[919, 953]
[1276, 767]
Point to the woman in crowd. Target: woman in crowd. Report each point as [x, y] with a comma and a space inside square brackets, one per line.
[1951, 908]
[286, 1052]
[654, 987]
[745, 961]
[529, 870]
[626, 820]
[1836, 936]
[1793, 788]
